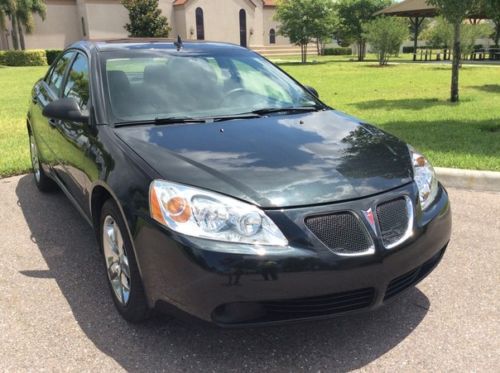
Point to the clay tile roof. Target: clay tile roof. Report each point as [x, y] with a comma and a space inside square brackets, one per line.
[269, 2]
[266, 2]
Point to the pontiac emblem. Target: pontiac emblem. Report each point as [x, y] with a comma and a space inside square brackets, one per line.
[371, 219]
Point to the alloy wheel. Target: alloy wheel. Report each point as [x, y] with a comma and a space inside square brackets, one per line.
[117, 264]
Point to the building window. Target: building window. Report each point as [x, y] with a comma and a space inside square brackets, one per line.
[243, 28]
[200, 25]
[272, 36]
[84, 31]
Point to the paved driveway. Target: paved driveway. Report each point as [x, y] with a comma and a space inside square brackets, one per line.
[55, 312]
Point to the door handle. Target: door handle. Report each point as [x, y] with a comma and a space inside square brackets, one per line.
[53, 122]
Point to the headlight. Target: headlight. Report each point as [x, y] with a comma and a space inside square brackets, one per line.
[425, 178]
[200, 213]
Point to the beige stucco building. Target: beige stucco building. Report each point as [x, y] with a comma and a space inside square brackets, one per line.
[245, 22]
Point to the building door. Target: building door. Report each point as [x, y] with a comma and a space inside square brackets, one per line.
[243, 28]
[272, 36]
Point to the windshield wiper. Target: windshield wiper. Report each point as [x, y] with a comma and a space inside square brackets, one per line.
[167, 120]
[295, 109]
[222, 118]
[211, 119]
[180, 120]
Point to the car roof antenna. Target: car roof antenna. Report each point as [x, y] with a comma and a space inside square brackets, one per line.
[178, 43]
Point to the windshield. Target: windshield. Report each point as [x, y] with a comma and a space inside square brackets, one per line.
[164, 84]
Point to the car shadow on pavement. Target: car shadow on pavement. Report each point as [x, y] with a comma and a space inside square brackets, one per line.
[68, 246]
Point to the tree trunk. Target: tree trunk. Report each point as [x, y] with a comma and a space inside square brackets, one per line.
[21, 36]
[497, 33]
[361, 50]
[15, 41]
[415, 44]
[456, 62]
[303, 53]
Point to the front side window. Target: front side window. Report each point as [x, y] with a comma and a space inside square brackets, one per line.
[56, 76]
[144, 86]
[77, 84]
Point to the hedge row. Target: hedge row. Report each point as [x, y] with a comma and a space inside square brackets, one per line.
[338, 51]
[52, 55]
[33, 57]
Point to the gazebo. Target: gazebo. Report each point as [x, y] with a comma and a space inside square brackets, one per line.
[416, 11]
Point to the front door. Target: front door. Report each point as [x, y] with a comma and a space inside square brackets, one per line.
[76, 142]
[243, 28]
[45, 129]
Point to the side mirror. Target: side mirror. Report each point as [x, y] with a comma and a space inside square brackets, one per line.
[312, 91]
[65, 109]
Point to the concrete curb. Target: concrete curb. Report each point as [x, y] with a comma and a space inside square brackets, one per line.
[486, 181]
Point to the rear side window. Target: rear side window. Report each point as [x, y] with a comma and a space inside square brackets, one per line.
[77, 84]
[56, 76]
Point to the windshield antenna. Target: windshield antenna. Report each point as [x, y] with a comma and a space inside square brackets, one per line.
[178, 43]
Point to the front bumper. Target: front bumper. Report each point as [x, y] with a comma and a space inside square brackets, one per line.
[309, 282]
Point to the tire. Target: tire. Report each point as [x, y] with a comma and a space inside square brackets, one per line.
[122, 273]
[43, 182]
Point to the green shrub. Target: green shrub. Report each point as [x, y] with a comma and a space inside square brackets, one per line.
[338, 51]
[52, 55]
[34, 57]
[408, 50]
[386, 35]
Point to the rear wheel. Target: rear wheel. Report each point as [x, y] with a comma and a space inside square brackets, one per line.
[121, 268]
[42, 181]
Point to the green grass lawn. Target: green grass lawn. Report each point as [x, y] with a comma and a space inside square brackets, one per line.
[411, 101]
[16, 84]
[408, 100]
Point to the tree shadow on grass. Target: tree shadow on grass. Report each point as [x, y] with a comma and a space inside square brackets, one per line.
[458, 140]
[401, 104]
[342, 344]
[488, 88]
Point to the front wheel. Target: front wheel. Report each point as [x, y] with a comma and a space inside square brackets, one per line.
[121, 268]
[42, 181]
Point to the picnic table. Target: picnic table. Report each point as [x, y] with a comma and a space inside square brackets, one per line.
[444, 54]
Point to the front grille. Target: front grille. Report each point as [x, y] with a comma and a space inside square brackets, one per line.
[342, 233]
[393, 218]
[319, 306]
[409, 279]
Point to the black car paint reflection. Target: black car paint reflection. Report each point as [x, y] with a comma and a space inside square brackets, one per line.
[278, 162]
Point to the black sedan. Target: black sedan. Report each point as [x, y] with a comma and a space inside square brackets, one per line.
[219, 187]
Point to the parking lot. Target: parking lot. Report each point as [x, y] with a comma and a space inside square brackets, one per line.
[56, 313]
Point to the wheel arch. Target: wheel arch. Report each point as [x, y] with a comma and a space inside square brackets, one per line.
[100, 193]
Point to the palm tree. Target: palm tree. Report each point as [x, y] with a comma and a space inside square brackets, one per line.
[3, 16]
[20, 13]
[24, 14]
[8, 10]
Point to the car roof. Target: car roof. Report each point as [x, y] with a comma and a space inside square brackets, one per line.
[153, 43]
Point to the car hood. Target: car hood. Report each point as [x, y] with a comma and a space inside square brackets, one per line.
[277, 161]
